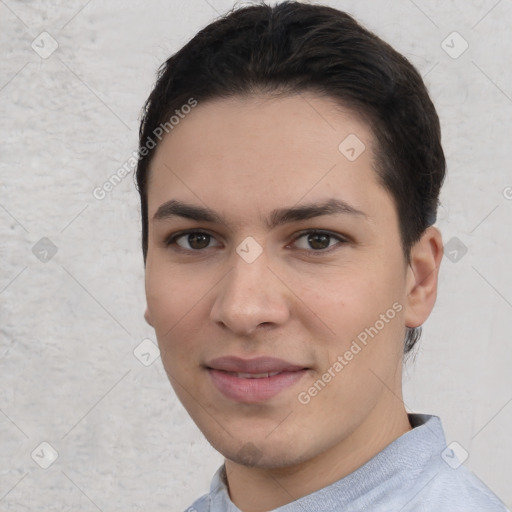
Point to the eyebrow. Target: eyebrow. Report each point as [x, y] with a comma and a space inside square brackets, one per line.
[175, 208]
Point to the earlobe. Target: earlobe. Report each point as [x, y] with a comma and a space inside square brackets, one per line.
[422, 277]
[147, 317]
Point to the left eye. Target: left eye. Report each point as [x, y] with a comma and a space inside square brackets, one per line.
[317, 240]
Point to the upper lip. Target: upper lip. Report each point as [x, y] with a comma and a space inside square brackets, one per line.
[255, 365]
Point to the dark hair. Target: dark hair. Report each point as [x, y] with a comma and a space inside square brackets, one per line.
[295, 47]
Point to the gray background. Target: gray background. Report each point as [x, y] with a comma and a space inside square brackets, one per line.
[70, 321]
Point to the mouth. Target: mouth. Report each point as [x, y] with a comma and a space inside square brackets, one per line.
[242, 375]
[253, 380]
[256, 366]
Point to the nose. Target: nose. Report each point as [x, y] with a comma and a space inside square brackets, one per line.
[250, 295]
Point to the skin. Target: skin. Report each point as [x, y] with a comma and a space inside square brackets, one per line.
[244, 158]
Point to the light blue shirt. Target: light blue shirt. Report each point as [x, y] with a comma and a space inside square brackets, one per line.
[415, 473]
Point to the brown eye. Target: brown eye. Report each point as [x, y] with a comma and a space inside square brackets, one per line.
[192, 241]
[198, 240]
[318, 241]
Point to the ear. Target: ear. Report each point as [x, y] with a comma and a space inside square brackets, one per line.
[422, 275]
[147, 317]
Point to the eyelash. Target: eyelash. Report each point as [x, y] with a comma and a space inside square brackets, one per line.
[341, 240]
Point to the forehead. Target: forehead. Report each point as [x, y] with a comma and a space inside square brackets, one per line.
[257, 152]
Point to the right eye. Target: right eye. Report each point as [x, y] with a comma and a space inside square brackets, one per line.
[192, 241]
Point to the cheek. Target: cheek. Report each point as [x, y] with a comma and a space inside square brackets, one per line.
[351, 300]
[165, 300]
[362, 311]
[175, 301]
[366, 316]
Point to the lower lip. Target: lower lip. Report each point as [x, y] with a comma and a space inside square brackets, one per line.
[253, 390]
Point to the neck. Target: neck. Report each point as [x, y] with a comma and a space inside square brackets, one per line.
[254, 489]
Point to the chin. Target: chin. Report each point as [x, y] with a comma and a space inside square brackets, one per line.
[251, 456]
[260, 452]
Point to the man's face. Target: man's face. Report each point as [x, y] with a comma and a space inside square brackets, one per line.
[260, 282]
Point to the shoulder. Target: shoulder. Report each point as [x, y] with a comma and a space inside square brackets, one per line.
[455, 490]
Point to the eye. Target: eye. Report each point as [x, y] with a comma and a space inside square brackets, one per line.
[318, 241]
[191, 240]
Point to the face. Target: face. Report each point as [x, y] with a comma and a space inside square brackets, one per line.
[273, 251]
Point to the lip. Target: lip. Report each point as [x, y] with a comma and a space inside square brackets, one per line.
[253, 390]
[263, 364]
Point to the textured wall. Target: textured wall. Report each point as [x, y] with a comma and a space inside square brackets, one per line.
[74, 76]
